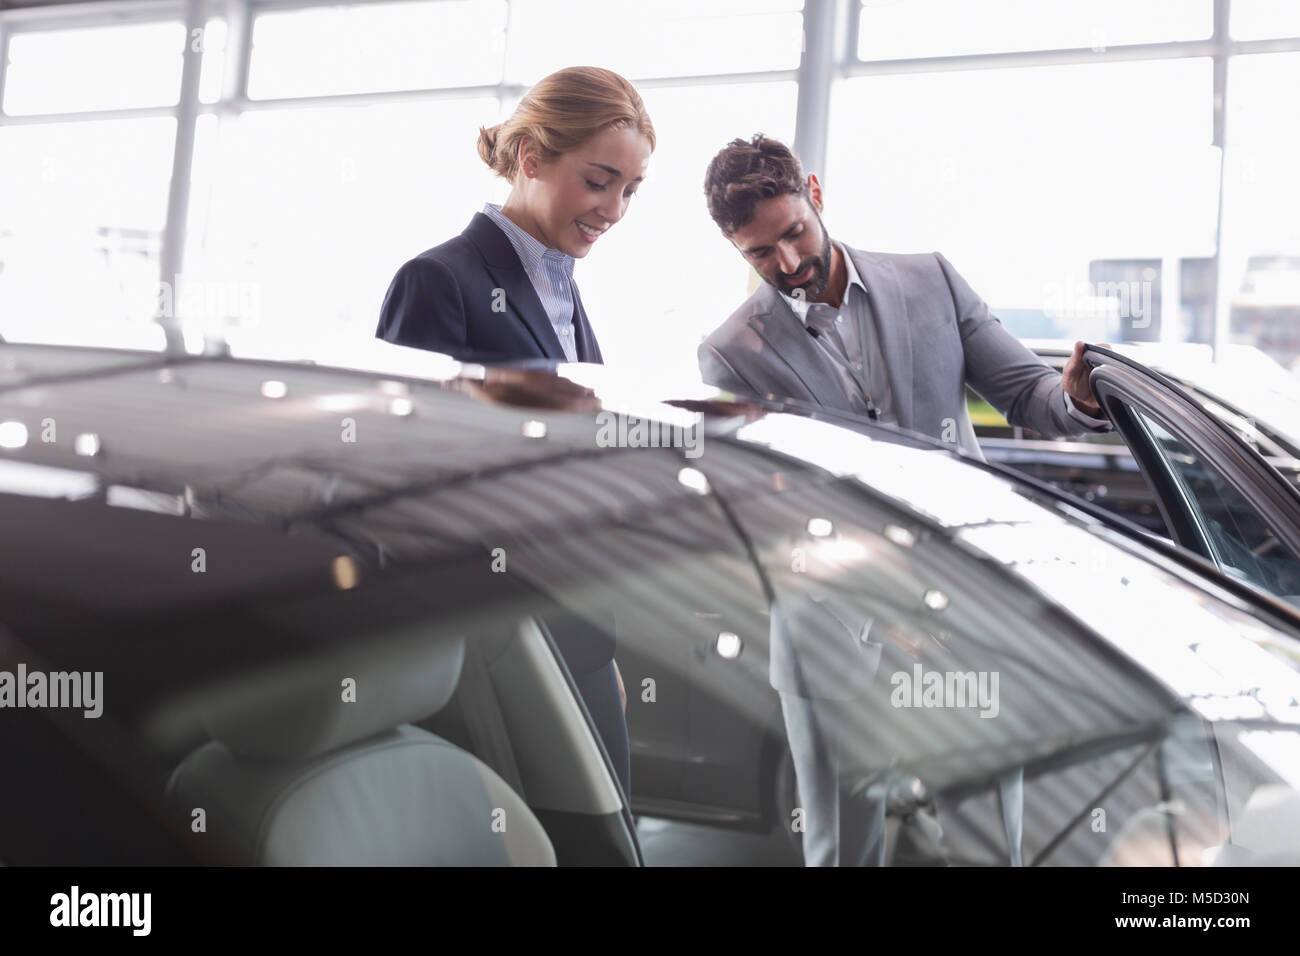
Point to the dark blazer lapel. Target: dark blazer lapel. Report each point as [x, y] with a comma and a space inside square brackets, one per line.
[588, 348]
[507, 271]
[886, 293]
[789, 341]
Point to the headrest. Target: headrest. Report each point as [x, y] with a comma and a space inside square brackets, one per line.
[300, 709]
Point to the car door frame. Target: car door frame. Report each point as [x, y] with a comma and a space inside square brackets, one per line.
[1118, 381]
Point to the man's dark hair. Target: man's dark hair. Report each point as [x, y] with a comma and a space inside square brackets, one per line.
[745, 173]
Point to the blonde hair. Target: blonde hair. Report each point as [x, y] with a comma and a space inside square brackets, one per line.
[561, 112]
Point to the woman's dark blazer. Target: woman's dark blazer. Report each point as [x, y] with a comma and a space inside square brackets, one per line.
[470, 298]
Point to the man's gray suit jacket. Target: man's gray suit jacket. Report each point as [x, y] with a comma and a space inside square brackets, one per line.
[936, 335]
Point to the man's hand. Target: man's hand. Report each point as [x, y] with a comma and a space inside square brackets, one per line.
[1075, 379]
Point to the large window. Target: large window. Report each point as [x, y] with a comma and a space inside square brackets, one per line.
[75, 70]
[900, 29]
[365, 48]
[1261, 213]
[1076, 187]
[82, 207]
[667, 38]
[1264, 19]
[300, 218]
[1024, 177]
[83, 203]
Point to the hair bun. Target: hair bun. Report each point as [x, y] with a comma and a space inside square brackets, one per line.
[487, 144]
[560, 113]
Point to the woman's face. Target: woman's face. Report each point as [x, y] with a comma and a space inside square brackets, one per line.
[572, 200]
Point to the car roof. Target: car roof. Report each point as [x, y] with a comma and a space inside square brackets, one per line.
[292, 440]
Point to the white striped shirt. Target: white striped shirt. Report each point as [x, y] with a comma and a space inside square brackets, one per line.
[551, 273]
[854, 313]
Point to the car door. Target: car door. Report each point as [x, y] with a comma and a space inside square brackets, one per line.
[1219, 497]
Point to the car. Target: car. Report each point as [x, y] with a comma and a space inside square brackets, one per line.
[273, 613]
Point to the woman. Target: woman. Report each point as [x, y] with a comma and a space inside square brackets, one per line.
[574, 151]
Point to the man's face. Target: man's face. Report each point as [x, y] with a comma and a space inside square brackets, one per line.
[788, 245]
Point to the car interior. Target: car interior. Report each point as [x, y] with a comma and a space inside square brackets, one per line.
[457, 750]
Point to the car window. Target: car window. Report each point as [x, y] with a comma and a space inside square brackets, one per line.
[1240, 539]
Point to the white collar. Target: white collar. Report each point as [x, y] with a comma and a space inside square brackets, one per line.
[531, 251]
[800, 306]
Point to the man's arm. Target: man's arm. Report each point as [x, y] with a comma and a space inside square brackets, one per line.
[1008, 375]
[718, 372]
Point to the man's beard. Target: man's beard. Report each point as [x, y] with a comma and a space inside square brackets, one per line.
[815, 284]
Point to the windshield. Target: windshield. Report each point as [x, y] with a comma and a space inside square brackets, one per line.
[887, 656]
[982, 669]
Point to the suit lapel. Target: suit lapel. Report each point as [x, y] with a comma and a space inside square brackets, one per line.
[588, 348]
[890, 307]
[508, 273]
[789, 341]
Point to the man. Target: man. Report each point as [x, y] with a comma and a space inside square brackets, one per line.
[893, 337]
